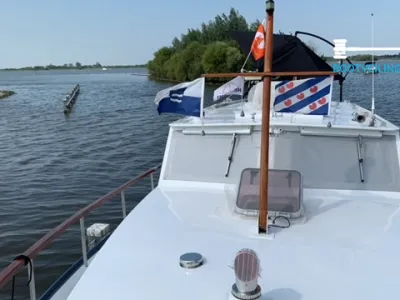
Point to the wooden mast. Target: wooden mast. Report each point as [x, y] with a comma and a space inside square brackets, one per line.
[267, 75]
[264, 163]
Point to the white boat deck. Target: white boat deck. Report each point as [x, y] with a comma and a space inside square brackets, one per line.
[345, 245]
[345, 249]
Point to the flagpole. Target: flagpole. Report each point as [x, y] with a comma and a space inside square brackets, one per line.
[202, 106]
[264, 168]
[247, 58]
[373, 75]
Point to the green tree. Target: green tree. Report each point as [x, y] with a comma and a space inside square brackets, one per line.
[171, 67]
[207, 49]
[186, 65]
[220, 57]
[254, 26]
[157, 65]
[314, 48]
[368, 57]
[78, 65]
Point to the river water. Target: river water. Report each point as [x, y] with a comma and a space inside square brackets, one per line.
[51, 165]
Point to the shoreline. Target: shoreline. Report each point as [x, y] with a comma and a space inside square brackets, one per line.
[73, 68]
[361, 61]
[6, 94]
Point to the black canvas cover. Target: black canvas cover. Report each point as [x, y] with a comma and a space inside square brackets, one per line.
[290, 54]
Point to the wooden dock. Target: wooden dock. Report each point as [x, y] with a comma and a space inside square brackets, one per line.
[70, 100]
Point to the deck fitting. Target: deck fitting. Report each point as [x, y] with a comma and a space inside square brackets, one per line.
[191, 260]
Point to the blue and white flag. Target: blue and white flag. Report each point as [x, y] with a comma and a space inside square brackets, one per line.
[310, 96]
[185, 98]
[233, 87]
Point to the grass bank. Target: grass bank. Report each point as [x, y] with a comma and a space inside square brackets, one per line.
[5, 94]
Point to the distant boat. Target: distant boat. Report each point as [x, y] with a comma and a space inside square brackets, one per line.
[370, 68]
[104, 69]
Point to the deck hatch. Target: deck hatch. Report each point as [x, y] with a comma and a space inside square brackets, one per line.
[285, 192]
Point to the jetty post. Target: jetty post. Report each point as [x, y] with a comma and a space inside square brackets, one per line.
[71, 99]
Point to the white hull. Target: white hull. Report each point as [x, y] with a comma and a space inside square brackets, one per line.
[341, 242]
[62, 288]
[66, 288]
[339, 231]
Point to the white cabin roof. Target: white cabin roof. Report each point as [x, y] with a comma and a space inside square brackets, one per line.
[347, 248]
[342, 116]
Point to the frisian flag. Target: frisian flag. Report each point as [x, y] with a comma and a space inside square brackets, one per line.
[232, 87]
[310, 96]
[184, 98]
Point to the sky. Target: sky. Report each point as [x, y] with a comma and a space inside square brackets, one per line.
[129, 31]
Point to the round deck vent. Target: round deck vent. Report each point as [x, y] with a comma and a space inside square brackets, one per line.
[360, 118]
[191, 260]
[247, 270]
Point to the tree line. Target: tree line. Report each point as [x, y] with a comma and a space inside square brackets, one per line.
[77, 65]
[209, 49]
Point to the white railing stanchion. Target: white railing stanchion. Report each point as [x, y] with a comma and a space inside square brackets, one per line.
[123, 204]
[83, 241]
[152, 181]
[31, 275]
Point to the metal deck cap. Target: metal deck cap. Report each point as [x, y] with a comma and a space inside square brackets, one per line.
[246, 296]
[191, 260]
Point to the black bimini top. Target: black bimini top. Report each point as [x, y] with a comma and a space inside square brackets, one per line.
[290, 54]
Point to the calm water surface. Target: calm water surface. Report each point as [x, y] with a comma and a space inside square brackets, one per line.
[52, 165]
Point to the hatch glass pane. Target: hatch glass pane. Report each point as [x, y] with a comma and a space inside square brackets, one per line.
[284, 191]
